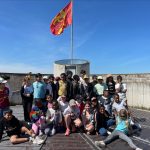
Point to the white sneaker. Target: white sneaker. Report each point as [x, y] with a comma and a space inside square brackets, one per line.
[108, 132]
[33, 135]
[38, 141]
[31, 139]
[100, 143]
[139, 149]
[53, 131]
[40, 133]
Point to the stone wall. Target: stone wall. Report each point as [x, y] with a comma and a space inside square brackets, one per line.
[138, 86]
[138, 89]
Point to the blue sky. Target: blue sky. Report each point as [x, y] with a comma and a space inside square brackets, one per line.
[114, 35]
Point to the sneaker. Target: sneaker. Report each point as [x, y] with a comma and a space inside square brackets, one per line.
[38, 141]
[67, 133]
[100, 143]
[53, 131]
[138, 149]
[108, 132]
[40, 133]
[31, 139]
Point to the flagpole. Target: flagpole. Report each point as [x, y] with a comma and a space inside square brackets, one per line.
[72, 35]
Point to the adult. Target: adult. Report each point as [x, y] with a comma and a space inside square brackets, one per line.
[4, 97]
[27, 97]
[54, 87]
[39, 91]
[63, 86]
[99, 87]
[121, 88]
[49, 90]
[111, 85]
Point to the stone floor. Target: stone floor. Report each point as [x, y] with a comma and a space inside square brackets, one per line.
[81, 141]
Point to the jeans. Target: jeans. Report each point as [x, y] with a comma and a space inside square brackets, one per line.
[103, 131]
[118, 134]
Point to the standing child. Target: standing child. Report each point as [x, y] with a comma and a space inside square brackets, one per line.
[106, 101]
[121, 131]
[63, 104]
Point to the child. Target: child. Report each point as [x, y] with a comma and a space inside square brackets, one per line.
[53, 119]
[94, 104]
[102, 121]
[121, 131]
[118, 105]
[79, 102]
[38, 120]
[88, 118]
[13, 128]
[49, 99]
[105, 101]
[71, 115]
[63, 104]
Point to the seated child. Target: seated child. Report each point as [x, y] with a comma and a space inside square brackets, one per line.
[88, 118]
[49, 99]
[71, 116]
[121, 131]
[13, 128]
[53, 119]
[103, 121]
[38, 120]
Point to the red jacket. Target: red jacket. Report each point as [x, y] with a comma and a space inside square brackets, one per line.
[4, 98]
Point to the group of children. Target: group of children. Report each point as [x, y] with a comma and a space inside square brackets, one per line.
[74, 104]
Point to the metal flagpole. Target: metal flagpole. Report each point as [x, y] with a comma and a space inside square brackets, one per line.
[72, 35]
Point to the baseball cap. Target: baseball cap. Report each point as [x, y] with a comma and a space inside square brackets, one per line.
[2, 80]
[72, 102]
[100, 78]
[45, 77]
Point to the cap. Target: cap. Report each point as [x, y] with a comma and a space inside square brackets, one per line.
[100, 78]
[72, 102]
[2, 80]
[93, 98]
[45, 77]
[86, 77]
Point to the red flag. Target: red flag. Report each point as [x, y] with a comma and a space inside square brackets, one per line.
[62, 20]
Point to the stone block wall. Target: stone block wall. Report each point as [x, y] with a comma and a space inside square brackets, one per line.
[138, 85]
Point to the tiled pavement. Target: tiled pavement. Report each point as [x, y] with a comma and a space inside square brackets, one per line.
[79, 141]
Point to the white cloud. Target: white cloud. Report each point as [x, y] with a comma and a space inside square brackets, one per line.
[24, 68]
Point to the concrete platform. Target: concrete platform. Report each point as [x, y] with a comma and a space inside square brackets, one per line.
[81, 141]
